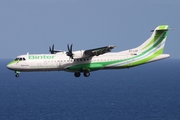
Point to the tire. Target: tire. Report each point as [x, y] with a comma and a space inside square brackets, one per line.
[77, 74]
[86, 74]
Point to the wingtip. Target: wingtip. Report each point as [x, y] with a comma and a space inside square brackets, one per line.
[112, 46]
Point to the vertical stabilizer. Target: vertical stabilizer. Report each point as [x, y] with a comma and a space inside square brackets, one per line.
[157, 40]
[152, 49]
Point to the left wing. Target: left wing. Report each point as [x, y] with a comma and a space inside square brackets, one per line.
[98, 51]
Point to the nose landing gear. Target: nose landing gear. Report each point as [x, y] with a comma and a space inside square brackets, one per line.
[17, 73]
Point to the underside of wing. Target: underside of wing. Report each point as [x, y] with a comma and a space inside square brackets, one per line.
[98, 51]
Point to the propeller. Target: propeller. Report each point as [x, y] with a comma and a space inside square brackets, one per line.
[51, 50]
[69, 53]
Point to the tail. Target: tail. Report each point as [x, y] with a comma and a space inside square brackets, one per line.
[157, 40]
[152, 49]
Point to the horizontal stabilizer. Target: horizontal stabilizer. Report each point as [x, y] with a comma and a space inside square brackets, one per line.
[162, 29]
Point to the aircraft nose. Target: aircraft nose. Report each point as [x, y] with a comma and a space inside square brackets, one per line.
[10, 66]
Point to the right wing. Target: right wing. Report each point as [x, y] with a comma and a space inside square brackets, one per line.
[98, 51]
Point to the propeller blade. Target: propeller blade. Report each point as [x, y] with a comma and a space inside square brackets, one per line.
[69, 53]
[51, 49]
[71, 48]
[68, 47]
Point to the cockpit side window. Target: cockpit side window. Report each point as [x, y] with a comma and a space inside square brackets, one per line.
[20, 59]
[17, 59]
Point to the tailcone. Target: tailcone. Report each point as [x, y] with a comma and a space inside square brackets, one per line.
[160, 57]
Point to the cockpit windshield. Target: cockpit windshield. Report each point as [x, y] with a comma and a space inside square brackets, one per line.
[20, 59]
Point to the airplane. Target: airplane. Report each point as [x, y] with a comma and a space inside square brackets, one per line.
[86, 61]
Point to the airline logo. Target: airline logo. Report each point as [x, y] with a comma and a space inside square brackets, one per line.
[32, 57]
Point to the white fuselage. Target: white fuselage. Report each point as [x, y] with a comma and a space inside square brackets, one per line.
[57, 62]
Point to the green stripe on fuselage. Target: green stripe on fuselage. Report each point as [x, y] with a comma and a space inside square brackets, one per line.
[92, 66]
[147, 59]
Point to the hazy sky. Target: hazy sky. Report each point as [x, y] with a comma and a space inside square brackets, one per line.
[33, 25]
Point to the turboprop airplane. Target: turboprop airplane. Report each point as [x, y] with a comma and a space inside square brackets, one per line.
[86, 61]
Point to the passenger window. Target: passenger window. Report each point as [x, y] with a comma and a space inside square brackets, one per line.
[20, 59]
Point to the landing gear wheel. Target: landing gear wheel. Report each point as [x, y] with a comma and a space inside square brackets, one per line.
[77, 74]
[86, 74]
[17, 75]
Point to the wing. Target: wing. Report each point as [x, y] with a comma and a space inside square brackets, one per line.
[98, 51]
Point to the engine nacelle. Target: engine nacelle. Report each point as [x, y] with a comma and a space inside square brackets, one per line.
[79, 54]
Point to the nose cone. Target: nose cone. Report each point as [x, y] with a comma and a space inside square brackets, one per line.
[10, 66]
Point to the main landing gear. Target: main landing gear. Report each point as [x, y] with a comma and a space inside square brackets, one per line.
[85, 73]
[77, 74]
